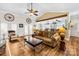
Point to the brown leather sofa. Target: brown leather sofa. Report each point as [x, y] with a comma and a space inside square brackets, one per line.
[53, 39]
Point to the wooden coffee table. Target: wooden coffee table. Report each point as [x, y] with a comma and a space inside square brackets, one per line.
[34, 42]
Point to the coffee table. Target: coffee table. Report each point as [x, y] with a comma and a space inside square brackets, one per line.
[34, 42]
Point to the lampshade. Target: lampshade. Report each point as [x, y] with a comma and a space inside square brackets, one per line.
[61, 30]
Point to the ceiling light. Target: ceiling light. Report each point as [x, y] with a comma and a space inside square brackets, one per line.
[31, 14]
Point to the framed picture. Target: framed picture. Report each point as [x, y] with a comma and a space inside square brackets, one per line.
[20, 25]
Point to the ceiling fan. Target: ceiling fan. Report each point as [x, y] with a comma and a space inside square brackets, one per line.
[32, 11]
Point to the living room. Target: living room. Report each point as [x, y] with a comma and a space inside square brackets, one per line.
[39, 29]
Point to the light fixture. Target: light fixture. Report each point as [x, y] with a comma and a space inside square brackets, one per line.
[32, 11]
[31, 14]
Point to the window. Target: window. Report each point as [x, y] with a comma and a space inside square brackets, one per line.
[4, 29]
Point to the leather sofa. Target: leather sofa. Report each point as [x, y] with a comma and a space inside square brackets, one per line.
[53, 39]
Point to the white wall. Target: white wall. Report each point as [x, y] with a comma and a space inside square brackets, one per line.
[75, 29]
[18, 20]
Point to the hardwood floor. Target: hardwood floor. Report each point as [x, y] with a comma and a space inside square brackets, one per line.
[72, 49]
[73, 46]
[19, 49]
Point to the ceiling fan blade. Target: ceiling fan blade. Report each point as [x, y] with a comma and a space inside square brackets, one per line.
[31, 11]
[28, 10]
[36, 11]
[36, 14]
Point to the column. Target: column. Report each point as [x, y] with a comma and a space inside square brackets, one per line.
[68, 27]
